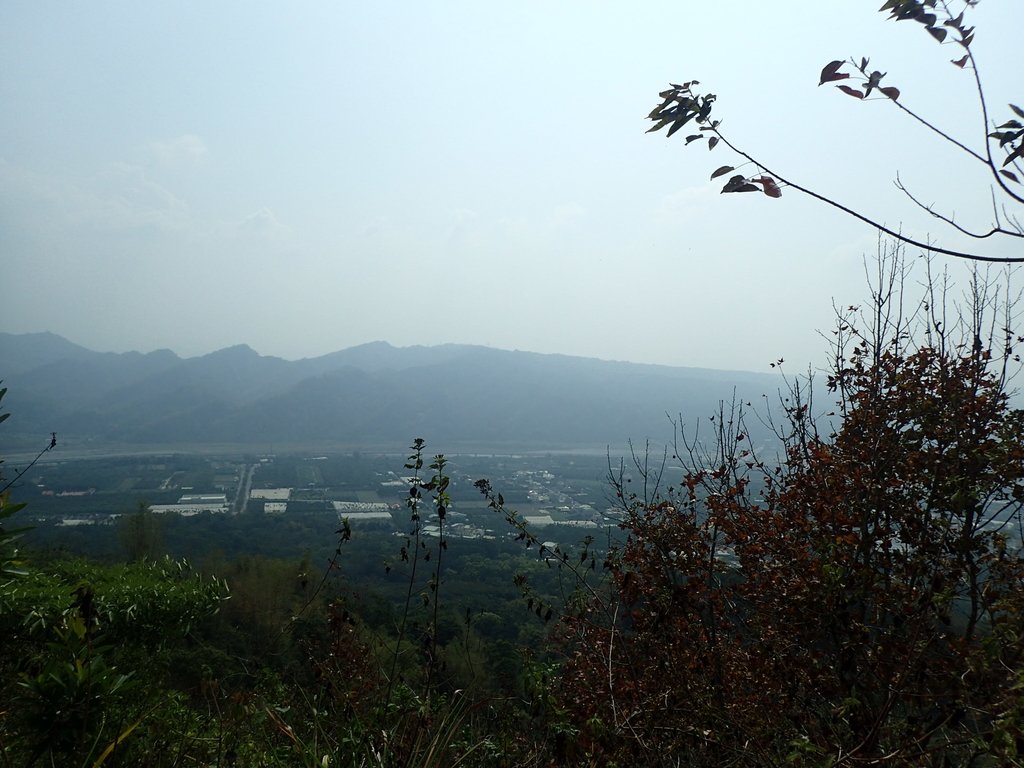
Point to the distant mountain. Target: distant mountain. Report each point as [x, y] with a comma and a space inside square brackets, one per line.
[27, 351]
[373, 394]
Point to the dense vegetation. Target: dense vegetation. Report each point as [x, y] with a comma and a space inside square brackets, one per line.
[857, 599]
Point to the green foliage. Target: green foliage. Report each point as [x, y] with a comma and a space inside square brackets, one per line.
[145, 602]
[10, 563]
[84, 640]
[140, 534]
[72, 691]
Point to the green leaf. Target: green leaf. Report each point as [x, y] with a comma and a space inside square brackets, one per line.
[1018, 110]
[712, 142]
[114, 744]
[679, 123]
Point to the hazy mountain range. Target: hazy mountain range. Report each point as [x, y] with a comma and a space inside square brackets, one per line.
[373, 395]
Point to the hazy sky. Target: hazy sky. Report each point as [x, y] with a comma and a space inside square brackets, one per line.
[304, 177]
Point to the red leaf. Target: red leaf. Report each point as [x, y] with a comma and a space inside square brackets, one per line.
[831, 72]
[1011, 176]
[770, 187]
[892, 93]
[850, 91]
[960, 62]
[723, 170]
[712, 141]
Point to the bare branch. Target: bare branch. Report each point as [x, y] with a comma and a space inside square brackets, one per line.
[985, 126]
[21, 473]
[876, 224]
[996, 230]
[681, 106]
[938, 131]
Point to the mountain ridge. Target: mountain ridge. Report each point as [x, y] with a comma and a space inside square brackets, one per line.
[371, 393]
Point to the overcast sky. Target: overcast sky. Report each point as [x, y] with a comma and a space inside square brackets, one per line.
[308, 177]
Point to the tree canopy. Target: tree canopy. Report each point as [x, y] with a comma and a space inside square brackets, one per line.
[859, 601]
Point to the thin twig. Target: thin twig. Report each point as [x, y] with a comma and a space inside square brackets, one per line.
[996, 230]
[21, 473]
[877, 225]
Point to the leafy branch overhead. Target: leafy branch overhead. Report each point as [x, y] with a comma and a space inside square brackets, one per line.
[1003, 144]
